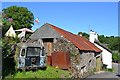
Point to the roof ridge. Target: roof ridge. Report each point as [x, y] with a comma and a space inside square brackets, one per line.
[85, 44]
[90, 43]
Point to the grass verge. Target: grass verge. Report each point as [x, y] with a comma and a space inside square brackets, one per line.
[50, 72]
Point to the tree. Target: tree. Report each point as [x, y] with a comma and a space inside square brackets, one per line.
[7, 59]
[116, 57]
[103, 39]
[18, 17]
[84, 35]
[114, 43]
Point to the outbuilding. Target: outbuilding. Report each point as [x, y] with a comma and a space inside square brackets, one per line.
[54, 39]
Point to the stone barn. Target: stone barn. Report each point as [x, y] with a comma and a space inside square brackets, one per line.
[84, 55]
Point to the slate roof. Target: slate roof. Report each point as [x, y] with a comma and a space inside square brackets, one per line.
[79, 41]
[103, 45]
[44, 32]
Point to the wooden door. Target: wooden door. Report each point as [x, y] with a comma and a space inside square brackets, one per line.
[49, 48]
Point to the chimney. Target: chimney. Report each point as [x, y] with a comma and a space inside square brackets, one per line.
[80, 33]
[96, 36]
[93, 36]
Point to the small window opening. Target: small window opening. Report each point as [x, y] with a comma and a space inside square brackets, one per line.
[23, 52]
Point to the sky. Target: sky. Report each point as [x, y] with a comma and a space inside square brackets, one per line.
[75, 17]
[59, 0]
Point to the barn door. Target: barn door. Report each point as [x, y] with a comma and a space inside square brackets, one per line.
[49, 48]
[48, 45]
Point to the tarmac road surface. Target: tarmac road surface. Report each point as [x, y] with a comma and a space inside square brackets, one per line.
[104, 75]
[107, 75]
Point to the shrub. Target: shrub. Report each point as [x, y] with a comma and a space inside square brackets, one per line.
[8, 62]
[116, 57]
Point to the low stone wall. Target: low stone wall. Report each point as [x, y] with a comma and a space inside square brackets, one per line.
[79, 71]
[86, 67]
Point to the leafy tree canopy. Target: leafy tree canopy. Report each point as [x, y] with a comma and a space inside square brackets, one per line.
[18, 17]
[84, 34]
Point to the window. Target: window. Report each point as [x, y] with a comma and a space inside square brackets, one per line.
[90, 61]
[43, 52]
[33, 51]
[47, 40]
[23, 52]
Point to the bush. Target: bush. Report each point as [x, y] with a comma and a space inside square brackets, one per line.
[116, 57]
[8, 63]
[110, 70]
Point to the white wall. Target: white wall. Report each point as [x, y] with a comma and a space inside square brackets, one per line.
[106, 57]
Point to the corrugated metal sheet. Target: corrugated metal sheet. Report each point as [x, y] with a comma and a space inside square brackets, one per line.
[51, 31]
[61, 59]
[49, 60]
[80, 42]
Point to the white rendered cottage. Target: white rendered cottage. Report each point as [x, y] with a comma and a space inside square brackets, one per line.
[106, 53]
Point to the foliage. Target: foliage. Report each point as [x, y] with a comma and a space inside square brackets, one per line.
[116, 57]
[113, 42]
[21, 18]
[18, 17]
[8, 62]
[84, 34]
[109, 70]
[50, 72]
[103, 39]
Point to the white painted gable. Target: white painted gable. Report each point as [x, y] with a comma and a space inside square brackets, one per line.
[106, 55]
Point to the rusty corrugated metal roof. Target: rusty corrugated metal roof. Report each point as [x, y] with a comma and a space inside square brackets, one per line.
[78, 41]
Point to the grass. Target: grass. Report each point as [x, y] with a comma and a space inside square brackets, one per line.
[109, 70]
[50, 72]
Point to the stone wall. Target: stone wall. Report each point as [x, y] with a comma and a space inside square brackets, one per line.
[62, 44]
[86, 67]
[83, 63]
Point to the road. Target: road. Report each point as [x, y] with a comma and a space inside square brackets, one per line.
[112, 75]
[104, 75]
[116, 68]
